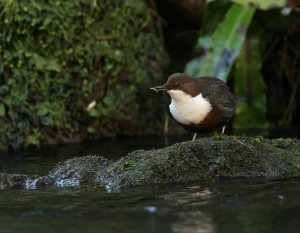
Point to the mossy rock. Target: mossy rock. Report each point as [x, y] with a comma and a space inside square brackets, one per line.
[12, 180]
[76, 171]
[203, 159]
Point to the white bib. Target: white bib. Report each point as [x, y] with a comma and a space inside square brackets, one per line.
[187, 109]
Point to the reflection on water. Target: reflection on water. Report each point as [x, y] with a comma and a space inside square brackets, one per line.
[228, 206]
[192, 195]
[194, 221]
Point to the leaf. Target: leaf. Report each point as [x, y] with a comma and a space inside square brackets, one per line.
[2, 110]
[94, 113]
[52, 65]
[4, 89]
[42, 111]
[33, 139]
[47, 120]
[40, 62]
[225, 45]
[91, 130]
[262, 4]
[43, 64]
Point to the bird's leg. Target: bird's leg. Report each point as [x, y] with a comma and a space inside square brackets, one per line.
[195, 136]
[223, 129]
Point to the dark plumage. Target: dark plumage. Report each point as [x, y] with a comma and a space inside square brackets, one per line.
[199, 104]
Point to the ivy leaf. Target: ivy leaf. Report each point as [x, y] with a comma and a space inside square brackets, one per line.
[52, 65]
[39, 62]
[4, 89]
[46, 64]
[42, 111]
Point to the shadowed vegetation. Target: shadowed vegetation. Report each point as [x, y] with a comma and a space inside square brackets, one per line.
[72, 70]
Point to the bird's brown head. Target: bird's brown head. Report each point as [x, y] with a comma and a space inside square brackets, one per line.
[174, 82]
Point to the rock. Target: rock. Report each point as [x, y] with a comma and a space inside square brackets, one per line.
[11, 180]
[72, 172]
[222, 156]
[205, 158]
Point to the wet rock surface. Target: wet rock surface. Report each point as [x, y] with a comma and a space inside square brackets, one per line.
[203, 159]
[12, 180]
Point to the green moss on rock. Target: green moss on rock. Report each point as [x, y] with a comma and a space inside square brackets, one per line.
[295, 165]
[12, 180]
[204, 159]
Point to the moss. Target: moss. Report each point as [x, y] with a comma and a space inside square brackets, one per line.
[11, 180]
[214, 180]
[257, 139]
[82, 168]
[127, 165]
[72, 69]
[284, 143]
[205, 159]
[218, 136]
[295, 166]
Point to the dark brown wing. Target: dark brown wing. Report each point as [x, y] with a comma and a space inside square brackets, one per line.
[221, 98]
[223, 102]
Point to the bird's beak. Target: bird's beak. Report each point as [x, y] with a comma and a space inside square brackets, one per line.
[159, 88]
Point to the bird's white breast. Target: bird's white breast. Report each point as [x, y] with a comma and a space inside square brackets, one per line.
[187, 109]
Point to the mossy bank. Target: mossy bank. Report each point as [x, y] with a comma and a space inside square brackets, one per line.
[72, 70]
[203, 159]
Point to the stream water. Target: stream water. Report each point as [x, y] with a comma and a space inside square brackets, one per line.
[227, 206]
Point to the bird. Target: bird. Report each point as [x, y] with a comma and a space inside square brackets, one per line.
[200, 105]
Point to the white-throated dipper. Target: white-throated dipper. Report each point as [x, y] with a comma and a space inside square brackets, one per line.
[199, 104]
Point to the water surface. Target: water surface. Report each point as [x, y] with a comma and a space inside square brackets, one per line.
[226, 206]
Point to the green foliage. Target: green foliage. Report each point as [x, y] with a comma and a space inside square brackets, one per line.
[262, 4]
[251, 113]
[225, 44]
[224, 49]
[58, 56]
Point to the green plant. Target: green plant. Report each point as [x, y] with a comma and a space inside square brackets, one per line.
[59, 56]
[229, 47]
